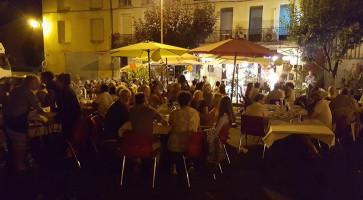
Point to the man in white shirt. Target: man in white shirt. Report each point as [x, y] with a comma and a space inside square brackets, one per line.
[103, 100]
[275, 95]
[310, 79]
[258, 108]
[254, 91]
[322, 111]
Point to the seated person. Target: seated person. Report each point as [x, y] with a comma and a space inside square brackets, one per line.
[206, 118]
[103, 100]
[156, 98]
[275, 95]
[254, 91]
[332, 93]
[344, 105]
[258, 109]
[321, 110]
[225, 115]
[117, 115]
[142, 117]
[183, 121]
[196, 99]
[207, 94]
[290, 92]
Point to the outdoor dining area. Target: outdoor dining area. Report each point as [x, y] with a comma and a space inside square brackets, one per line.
[150, 137]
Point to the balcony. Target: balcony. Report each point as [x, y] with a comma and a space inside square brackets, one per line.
[254, 35]
[121, 40]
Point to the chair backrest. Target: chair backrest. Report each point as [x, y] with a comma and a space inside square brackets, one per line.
[98, 127]
[342, 129]
[138, 145]
[223, 135]
[82, 130]
[252, 125]
[196, 145]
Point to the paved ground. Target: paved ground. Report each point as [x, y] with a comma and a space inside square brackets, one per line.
[287, 172]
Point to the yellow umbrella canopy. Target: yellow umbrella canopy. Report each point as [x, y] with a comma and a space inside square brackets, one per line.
[148, 49]
[174, 58]
[141, 50]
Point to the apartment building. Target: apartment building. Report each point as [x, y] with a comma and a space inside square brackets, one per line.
[79, 33]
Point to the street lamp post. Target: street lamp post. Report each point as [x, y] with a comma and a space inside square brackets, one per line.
[162, 23]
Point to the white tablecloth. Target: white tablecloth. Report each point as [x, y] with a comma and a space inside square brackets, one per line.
[280, 129]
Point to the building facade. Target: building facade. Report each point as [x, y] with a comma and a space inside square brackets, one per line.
[79, 33]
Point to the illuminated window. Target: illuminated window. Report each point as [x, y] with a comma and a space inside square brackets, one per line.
[64, 31]
[97, 30]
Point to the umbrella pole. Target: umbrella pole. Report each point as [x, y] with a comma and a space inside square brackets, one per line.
[237, 89]
[234, 71]
[167, 72]
[148, 59]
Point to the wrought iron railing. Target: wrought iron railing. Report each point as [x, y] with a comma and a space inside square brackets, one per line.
[254, 35]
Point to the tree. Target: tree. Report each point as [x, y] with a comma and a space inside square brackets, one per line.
[186, 24]
[327, 27]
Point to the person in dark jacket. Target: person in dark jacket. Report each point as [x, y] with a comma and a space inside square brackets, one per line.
[68, 108]
[117, 115]
[52, 89]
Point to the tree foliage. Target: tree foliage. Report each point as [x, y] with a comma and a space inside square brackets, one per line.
[186, 24]
[327, 27]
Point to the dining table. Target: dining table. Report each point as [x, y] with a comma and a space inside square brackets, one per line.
[40, 124]
[283, 123]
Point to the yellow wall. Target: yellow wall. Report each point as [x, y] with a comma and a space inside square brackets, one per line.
[241, 12]
[80, 15]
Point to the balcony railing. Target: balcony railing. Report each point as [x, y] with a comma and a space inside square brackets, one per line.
[254, 35]
[120, 40]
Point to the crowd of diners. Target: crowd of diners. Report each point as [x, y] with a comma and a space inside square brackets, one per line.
[191, 107]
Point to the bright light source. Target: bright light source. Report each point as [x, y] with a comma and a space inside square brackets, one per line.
[273, 78]
[34, 24]
[275, 58]
[245, 64]
[47, 27]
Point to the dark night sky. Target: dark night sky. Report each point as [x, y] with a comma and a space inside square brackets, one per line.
[15, 9]
[14, 28]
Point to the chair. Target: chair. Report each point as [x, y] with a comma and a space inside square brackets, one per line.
[81, 134]
[223, 136]
[137, 145]
[251, 125]
[195, 151]
[97, 132]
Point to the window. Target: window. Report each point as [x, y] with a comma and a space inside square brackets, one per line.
[284, 22]
[96, 4]
[255, 30]
[125, 2]
[63, 5]
[226, 24]
[97, 30]
[64, 31]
